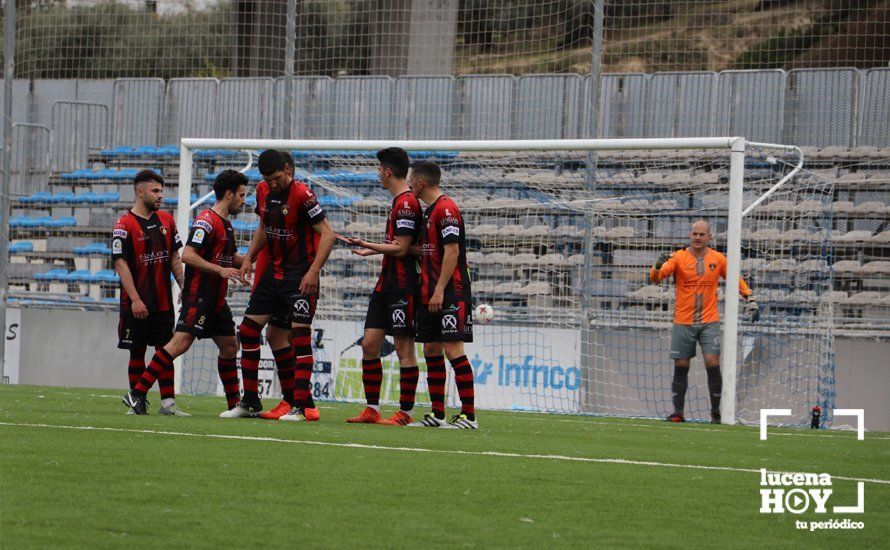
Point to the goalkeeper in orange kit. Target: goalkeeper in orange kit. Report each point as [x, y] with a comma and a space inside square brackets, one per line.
[697, 270]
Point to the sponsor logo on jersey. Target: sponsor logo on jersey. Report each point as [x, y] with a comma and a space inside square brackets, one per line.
[451, 230]
[407, 224]
[122, 233]
[315, 210]
[153, 257]
[198, 236]
[205, 225]
[398, 318]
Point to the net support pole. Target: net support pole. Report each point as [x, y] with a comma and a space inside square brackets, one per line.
[290, 31]
[182, 224]
[733, 271]
[5, 169]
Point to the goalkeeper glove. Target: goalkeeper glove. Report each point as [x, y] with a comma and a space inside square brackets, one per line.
[752, 310]
[661, 261]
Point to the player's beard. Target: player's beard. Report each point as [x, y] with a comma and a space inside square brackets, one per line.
[153, 206]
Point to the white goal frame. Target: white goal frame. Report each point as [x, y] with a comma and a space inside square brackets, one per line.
[736, 146]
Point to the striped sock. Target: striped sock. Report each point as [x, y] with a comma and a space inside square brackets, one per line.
[160, 362]
[228, 375]
[136, 366]
[165, 380]
[372, 376]
[249, 334]
[301, 341]
[435, 380]
[408, 377]
[284, 360]
[463, 378]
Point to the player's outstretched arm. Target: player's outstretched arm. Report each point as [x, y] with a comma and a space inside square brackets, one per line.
[662, 268]
[309, 284]
[193, 259]
[398, 248]
[123, 271]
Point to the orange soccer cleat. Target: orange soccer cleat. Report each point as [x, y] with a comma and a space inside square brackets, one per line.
[280, 410]
[398, 419]
[311, 414]
[367, 416]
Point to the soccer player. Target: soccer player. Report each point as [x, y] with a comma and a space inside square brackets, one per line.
[144, 249]
[696, 271]
[299, 239]
[210, 260]
[445, 314]
[393, 302]
[299, 338]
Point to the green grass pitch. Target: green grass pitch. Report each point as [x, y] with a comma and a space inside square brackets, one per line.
[77, 472]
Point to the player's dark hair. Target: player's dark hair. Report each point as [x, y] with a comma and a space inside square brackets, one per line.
[147, 175]
[270, 161]
[228, 180]
[288, 159]
[428, 171]
[396, 159]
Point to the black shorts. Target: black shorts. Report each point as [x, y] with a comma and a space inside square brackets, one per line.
[392, 312]
[282, 300]
[204, 322]
[155, 330]
[453, 324]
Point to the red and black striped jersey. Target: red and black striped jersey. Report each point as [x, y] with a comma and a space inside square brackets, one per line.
[443, 224]
[405, 219]
[288, 217]
[213, 238]
[147, 245]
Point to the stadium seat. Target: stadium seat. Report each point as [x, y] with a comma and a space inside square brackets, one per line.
[97, 248]
[846, 267]
[876, 268]
[21, 247]
[855, 236]
[104, 276]
[78, 276]
[56, 274]
[39, 197]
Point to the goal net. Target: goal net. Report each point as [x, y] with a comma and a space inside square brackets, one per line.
[560, 237]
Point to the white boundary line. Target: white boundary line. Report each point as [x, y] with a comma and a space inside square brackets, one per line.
[497, 454]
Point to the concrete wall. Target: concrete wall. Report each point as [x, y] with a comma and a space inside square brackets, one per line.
[75, 348]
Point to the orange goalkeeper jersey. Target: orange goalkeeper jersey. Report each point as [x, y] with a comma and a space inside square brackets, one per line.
[696, 280]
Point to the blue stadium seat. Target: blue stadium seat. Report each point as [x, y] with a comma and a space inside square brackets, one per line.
[242, 250]
[250, 201]
[63, 197]
[252, 175]
[216, 153]
[93, 249]
[78, 276]
[57, 274]
[104, 276]
[77, 175]
[40, 196]
[20, 247]
[65, 221]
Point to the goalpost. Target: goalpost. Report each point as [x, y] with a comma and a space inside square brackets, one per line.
[561, 234]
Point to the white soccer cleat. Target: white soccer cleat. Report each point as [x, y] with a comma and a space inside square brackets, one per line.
[461, 422]
[241, 410]
[429, 420]
[294, 415]
[172, 410]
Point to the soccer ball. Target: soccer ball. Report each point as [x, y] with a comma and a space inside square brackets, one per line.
[484, 314]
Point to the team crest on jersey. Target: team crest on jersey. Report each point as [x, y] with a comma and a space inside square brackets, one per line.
[285, 210]
[163, 230]
[712, 266]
